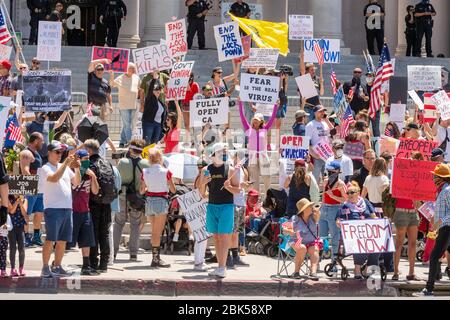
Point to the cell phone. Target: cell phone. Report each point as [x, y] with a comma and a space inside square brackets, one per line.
[206, 173]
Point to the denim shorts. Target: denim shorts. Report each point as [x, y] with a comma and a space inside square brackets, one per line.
[220, 218]
[239, 222]
[58, 224]
[35, 203]
[156, 206]
[406, 218]
[281, 112]
[83, 230]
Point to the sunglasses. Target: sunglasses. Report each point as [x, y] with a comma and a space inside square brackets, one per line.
[357, 71]
[36, 62]
[351, 193]
[22, 68]
[100, 69]
[58, 152]
[219, 72]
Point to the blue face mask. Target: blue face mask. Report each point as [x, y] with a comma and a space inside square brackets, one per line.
[225, 158]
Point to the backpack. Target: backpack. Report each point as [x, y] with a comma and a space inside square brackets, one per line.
[134, 199]
[106, 180]
[388, 204]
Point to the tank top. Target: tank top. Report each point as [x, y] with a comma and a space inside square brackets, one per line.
[239, 199]
[34, 166]
[295, 194]
[217, 194]
[219, 90]
[328, 200]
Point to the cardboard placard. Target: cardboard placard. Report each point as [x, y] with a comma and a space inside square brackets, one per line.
[306, 86]
[323, 150]
[179, 80]
[424, 78]
[397, 115]
[246, 44]
[228, 40]
[331, 50]
[265, 109]
[152, 58]
[5, 52]
[388, 144]
[407, 146]
[193, 208]
[213, 111]
[259, 89]
[176, 38]
[294, 147]
[119, 55]
[442, 102]
[23, 185]
[262, 58]
[427, 210]
[301, 27]
[49, 41]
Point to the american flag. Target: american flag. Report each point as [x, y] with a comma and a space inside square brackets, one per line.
[347, 121]
[333, 81]
[298, 243]
[384, 72]
[319, 53]
[15, 132]
[350, 94]
[4, 32]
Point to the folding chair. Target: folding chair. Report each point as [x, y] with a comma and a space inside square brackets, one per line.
[286, 256]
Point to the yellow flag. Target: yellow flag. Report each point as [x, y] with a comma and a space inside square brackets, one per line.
[146, 149]
[266, 34]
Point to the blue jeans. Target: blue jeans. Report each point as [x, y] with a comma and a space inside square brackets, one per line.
[376, 124]
[127, 123]
[319, 169]
[327, 224]
[151, 131]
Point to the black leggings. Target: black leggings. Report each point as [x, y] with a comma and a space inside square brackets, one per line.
[16, 236]
[442, 244]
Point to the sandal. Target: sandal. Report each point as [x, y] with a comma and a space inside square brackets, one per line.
[295, 275]
[413, 278]
[395, 277]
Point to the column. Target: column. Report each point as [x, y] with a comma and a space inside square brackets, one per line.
[401, 27]
[129, 32]
[157, 14]
[327, 18]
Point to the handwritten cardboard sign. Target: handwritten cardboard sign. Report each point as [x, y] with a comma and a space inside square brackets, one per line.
[193, 208]
[407, 146]
[49, 41]
[323, 150]
[442, 102]
[301, 27]
[176, 38]
[294, 147]
[262, 58]
[228, 40]
[23, 185]
[118, 56]
[424, 78]
[152, 58]
[179, 80]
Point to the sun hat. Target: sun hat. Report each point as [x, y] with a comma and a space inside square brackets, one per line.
[304, 203]
[442, 170]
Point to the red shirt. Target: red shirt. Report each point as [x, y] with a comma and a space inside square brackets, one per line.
[328, 200]
[192, 90]
[80, 196]
[404, 204]
[171, 140]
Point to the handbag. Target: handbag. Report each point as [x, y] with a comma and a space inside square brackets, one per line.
[318, 242]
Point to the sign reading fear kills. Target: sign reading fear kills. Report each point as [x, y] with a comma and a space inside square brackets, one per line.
[152, 58]
[213, 111]
[118, 56]
[23, 185]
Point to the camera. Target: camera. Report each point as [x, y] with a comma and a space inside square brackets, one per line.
[118, 155]
[287, 69]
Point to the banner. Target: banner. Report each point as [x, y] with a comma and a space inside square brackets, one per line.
[179, 80]
[118, 56]
[331, 50]
[213, 111]
[427, 210]
[228, 41]
[46, 90]
[301, 27]
[259, 89]
[339, 103]
[193, 208]
[255, 14]
[388, 144]
[294, 147]
[424, 78]
[49, 41]
[23, 185]
[306, 86]
[246, 44]
[442, 102]
[152, 58]
[412, 179]
[262, 58]
[367, 236]
[5, 52]
[5, 105]
[176, 38]
[323, 150]
[407, 146]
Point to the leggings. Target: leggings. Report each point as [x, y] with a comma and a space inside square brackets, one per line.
[3, 249]
[16, 236]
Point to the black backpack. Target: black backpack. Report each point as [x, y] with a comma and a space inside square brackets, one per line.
[106, 181]
[134, 199]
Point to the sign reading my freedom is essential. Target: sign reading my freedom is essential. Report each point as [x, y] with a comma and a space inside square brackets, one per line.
[5, 52]
[259, 89]
[152, 58]
[179, 80]
[294, 147]
[323, 150]
[301, 27]
[407, 146]
[118, 56]
[213, 111]
[228, 40]
[262, 58]
[424, 78]
[193, 207]
[176, 38]
[331, 50]
[49, 41]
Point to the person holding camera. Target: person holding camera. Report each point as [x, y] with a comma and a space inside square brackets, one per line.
[410, 32]
[423, 12]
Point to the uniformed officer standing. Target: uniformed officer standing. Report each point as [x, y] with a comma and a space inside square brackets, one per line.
[374, 24]
[197, 10]
[240, 9]
[39, 10]
[424, 24]
[112, 13]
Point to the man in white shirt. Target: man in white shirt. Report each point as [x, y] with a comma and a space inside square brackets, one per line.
[55, 183]
[345, 161]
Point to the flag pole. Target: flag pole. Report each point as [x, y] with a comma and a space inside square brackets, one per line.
[4, 9]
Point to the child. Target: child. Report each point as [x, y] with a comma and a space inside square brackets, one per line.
[253, 212]
[4, 229]
[298, 129]
[18, 213]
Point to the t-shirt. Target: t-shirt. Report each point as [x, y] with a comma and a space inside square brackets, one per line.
[442, 135]
[346, 166]
[240, 10]
[156, 179]
[128, 90]
[360, 176]
[159, 113]
[80, 196]
[57, 195]
[375, 187]
[307, 229]
[317, 131]
[98, 89]
[163, 79]
[369, 8]
[44, 129]
[191, 92]
[171, 139]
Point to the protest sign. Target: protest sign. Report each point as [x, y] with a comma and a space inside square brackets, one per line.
[5, 52]
[47, 90]
[397, 115]
[339, 103]
[246, 44]
[306, 86]
[354, 150]
[119, 58]
[259, 89]
[442, 102]
[398, 90]
[193, 208]
[152, 58]
[388, 144]
[301, 27]
[416, 99]
[367, 236]
[19, 37]
[256, 11]
[407, 146]
[331, 50]
[262, 58]
[294, 147]
[179, 80]
[176, 38]
[23, 185]
[323, 150]
[424, 78]
[287, 167]
[213, 111]
[5, 105]
[49, 41]
[412, 179]
[228, 40]
[427, 210]
[265, 109]
[430, 111]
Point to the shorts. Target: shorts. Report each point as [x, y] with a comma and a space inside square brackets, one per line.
[406, 218]
[35, 203]
[239, 222]
[83, 230]
[58, 224]
[185, 107]
[220, 218]
[281, 112]
[155, 206]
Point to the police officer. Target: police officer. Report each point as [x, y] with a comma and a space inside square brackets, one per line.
[240, 9]
[39, 10]
[112, 13]
[374, 24]
[197, 10]
[424, 23]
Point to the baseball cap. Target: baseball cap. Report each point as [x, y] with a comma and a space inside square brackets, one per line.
[412, 126]
[219, 146]
[338, 143]
[318, 108]
[437, 152]
[82, 153]
[333, 165]
[99, 66]
[258, 116]
[300, 163]
[56, 145]
[6, 64]
[300, 114]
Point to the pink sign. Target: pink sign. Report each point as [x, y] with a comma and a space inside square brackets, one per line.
[118, 56]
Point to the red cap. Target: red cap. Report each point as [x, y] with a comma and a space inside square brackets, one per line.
[300, 163]
[253, 193]
[6, 64]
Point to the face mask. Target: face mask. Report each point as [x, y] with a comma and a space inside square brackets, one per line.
[369, 80]
[339, 153]
[84, 166]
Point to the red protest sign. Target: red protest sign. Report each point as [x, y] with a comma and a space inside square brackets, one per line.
[407, 146]
[430, 107]
[176, 38]
[412, 179]
[246, 44]
[118, 56]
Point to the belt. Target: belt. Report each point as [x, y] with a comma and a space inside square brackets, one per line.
[407, 210]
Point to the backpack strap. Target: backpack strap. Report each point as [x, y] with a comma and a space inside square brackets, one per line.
[135, 163]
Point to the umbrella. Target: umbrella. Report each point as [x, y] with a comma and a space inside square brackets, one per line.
[92, 128]
[182, 166]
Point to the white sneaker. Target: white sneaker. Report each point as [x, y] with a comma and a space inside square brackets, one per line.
[218, 272]
[201, 267]
[175, 237]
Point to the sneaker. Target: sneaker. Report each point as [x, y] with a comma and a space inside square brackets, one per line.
[60, 272]
[37, 240]
[175, 237]
[88, 271]
[158, 263]
[28, 240]
[423, 293]
[239, 262]
[3, 274]
[218, 272]
[133, 257]
[252, 234]
[46, 272]
[242, 253]
[14, 273]
[121, 145]
[212, 259]
[201, 267]
[22, 272]
[230, 262]
[295, 275]
[313, 277]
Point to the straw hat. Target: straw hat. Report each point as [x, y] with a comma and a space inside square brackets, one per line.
[304, 203]
[442, 170]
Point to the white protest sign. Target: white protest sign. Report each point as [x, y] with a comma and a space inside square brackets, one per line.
[265, 109]
[301, 27]
[213, 111]
[5, 52]
[424, 78]
[323, 150]
[259, 89]
[5, 105]
[397, 115]
[306, 86]
[294, 147]
[413, 94]
[49, 41]
[427, 210]
[179, 80]
[228, 40]
[442, 102]
[367, 236]
[176, 38]
[255, 14]
[193, 208]
[152, 58]
[287, 167]
[331, 50]
[262, 58]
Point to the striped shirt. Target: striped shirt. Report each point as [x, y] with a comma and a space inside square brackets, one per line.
[442, 208]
